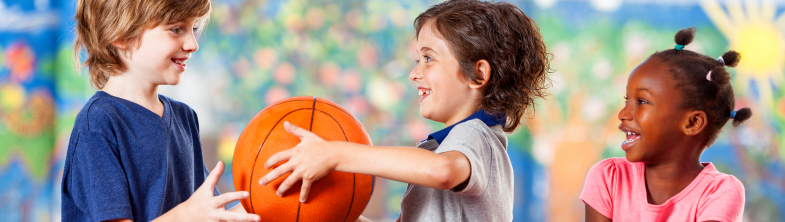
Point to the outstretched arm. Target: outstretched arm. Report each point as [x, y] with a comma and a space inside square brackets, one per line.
[314, 157]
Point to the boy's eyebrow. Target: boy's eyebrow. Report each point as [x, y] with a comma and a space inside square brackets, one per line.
[643, 89]
[425, 48]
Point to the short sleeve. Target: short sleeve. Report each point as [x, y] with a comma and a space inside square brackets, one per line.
[598, 187]
[724, 201]
[96, 180]
[470, 140]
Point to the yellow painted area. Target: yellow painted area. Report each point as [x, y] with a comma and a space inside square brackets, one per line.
[226, 148]
[761, 47]
[12, 96]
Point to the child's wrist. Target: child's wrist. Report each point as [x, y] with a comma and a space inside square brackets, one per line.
[337, 154]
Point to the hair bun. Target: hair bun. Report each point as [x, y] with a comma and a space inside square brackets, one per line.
[742, 115]
[685, 36]
[731, 58]
[720, 76]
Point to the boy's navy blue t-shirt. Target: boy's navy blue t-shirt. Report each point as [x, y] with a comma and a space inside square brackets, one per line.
[124, 161]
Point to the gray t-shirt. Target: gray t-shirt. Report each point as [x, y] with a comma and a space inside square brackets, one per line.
[488, 196]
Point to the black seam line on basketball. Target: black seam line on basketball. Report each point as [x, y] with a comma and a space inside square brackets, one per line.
[259, 150]
[344, 111]
[354, 176]
[354, 190]
[353, 117]
[313, 109]
[373, 178]
[298, 211]
[310, 128]
[293, 99]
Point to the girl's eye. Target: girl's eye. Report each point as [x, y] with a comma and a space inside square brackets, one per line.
[428, 59]
[416, 61]
[196, 29]
[176, 30]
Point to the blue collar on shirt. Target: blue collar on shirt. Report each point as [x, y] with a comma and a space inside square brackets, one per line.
[485, 117]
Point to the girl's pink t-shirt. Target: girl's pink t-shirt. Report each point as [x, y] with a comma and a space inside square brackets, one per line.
[616, 188]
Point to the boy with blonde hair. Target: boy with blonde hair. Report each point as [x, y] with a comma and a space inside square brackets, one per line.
[135, 155]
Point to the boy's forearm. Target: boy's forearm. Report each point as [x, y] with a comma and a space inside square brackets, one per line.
[405, 164]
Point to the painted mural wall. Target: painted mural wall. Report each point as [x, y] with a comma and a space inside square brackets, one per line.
[359, 54]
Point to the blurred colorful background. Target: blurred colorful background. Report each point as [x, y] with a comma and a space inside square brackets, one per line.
[359, 53]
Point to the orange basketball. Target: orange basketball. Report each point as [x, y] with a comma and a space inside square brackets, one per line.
[339, 196]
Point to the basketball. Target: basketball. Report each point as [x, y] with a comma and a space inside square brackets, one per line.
[338, 196]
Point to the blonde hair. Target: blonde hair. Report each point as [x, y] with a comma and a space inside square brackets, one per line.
[99, 23]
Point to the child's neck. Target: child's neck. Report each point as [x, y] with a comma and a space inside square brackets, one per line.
[461, 114]
[667, 178]
[127, 87]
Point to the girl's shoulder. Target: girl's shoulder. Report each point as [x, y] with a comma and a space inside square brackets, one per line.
[611, 168]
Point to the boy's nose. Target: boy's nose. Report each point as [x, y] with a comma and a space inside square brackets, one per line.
[190, 44]
[415, 74]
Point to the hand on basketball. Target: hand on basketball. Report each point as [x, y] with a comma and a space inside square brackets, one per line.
[203, 206]
[309, 161]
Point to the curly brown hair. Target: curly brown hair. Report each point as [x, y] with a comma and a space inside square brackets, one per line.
[508, 40]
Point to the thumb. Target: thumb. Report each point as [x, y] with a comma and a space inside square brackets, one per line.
[295, 130]
[212, 179]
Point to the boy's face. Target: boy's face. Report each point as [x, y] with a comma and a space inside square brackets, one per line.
[444, 94]
[161, 54]
[652, 114]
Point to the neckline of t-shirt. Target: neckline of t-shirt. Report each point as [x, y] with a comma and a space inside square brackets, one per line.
[144, 112]
[707, 169]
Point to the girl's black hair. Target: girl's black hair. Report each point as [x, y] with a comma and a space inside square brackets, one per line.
[715, 96]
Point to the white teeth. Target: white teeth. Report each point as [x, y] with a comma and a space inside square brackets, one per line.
[629, 133]
[425, 91]
[421, 92]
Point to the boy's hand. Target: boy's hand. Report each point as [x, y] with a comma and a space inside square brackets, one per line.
[309, 161]
[203, 206]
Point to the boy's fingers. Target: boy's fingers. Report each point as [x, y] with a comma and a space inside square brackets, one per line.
[212, 179]
[304, 190]
[224, 199]
[295, 130]
[234, 216]
[278, 157]
[288, 183]
[275, 173]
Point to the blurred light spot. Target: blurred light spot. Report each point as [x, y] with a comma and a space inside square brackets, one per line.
[275, 93]
[284, 73]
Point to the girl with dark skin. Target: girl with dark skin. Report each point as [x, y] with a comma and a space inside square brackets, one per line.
[665, 130]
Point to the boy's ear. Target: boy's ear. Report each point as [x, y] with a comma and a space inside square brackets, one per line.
[483, 68]
[119, 45]
[694, 122]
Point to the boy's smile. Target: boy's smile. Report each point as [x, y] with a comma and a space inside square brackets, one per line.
[180, 63]
[160, 55]
[424, 92]
[444, 94]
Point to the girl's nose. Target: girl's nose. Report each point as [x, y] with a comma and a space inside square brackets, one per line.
[624, 114]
